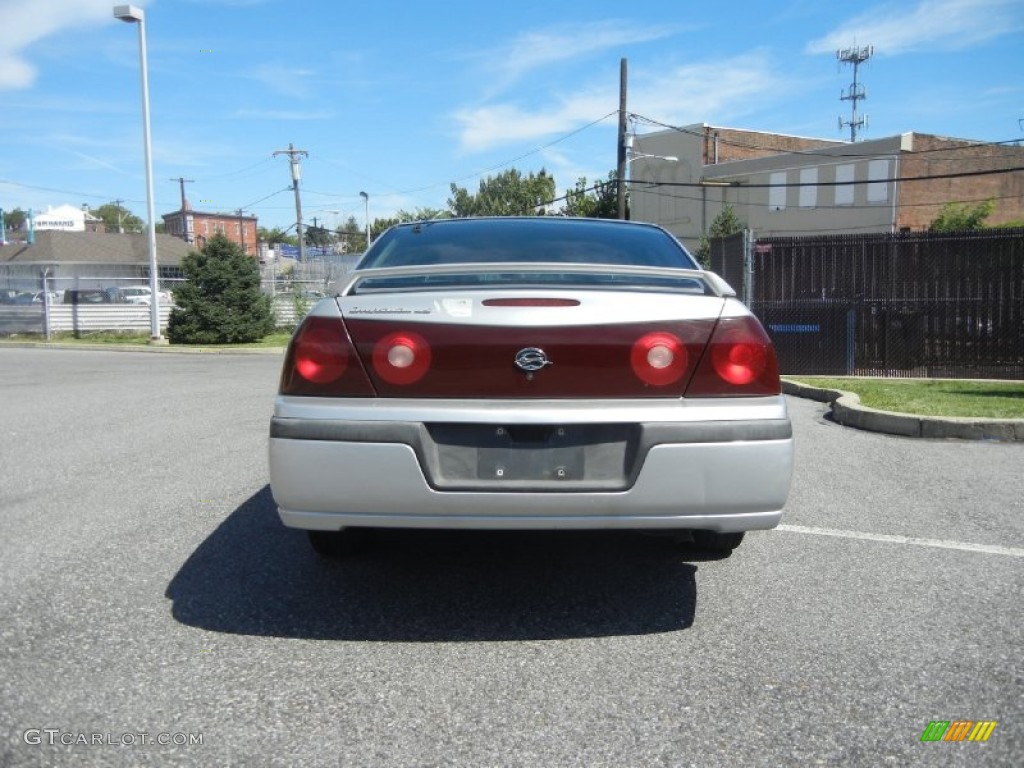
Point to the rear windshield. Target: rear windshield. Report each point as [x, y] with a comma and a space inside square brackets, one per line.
[524, 241]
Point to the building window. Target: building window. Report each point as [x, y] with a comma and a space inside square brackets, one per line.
[844, 184]
[777, 191]
[808, 194]
[878, 178]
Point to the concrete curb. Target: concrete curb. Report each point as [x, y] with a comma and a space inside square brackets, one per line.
[847, 410]
[161, 348]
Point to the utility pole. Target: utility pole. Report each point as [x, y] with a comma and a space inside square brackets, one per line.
[120, 221]
[620, 172]
[186, 233]
[241, 228]
[856, 92]
[366, 209]
[296, 164]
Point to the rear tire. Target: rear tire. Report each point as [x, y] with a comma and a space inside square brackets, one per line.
[714, 541]
[338, 544]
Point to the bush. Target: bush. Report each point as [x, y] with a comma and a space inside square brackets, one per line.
[960, 217]
[220, 301]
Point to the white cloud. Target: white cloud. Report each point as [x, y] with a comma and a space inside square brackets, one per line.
[26, 23]
[712, 91]
[15, 73]
[229, 3]
[542, 49]
[932, 24]
[282, 114]
[285, 80]
[481, 128]
[91, 163]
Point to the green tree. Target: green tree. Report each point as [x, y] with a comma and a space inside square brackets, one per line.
[220, 301]
[724, 224]
[378, 227]
[351, 235]
[317, 236]
[507, 194]
[956, 217]
[598, 202]
[275, 236]
[111, 213]
[14, 220]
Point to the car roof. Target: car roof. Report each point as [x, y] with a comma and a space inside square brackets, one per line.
[544, 221]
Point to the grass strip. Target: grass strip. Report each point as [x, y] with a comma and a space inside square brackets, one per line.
[949, 397]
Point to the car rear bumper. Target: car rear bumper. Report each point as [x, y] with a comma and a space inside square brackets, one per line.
[681, 471]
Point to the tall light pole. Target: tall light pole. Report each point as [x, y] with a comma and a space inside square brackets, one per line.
[366, 202]
[133, 15]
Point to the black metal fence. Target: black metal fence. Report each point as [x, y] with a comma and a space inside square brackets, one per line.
[728, 260]
[909, 304]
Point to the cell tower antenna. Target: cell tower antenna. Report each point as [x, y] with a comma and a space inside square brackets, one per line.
[855, 56]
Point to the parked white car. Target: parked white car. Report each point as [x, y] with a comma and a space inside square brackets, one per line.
[56, 297]
[141, 294]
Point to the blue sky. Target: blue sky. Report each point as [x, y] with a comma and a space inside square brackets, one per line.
[400, 99]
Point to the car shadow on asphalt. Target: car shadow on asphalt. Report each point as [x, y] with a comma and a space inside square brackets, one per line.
[253, 576]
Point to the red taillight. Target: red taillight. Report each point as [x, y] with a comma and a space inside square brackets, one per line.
[739, 361]
[401, 358]
[321, 362]
[659, 359]
[321, 354]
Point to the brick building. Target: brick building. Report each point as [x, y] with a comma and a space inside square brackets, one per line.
[196, 227]
[790, 185]
[933, 156]
[726, 145]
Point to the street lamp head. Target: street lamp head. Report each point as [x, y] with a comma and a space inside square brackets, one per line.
[666, 158]
[364, 195]
[129, 13]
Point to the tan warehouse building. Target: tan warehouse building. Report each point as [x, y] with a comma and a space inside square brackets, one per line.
[789, 185]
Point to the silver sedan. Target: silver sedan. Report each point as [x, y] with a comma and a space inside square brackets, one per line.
[530, 373]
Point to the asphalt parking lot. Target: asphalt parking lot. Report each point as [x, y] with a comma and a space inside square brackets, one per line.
[149, 594]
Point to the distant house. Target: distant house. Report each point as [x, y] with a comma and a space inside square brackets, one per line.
[88, 260]
[790, 185]
[196, 227]
[65, 218]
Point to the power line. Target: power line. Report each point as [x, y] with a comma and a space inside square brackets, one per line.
[505, 163]
[264, 161]
[902, 179]
[272, 194]
[835, 206]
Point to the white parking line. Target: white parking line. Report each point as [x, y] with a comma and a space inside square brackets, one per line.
[988, 549]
